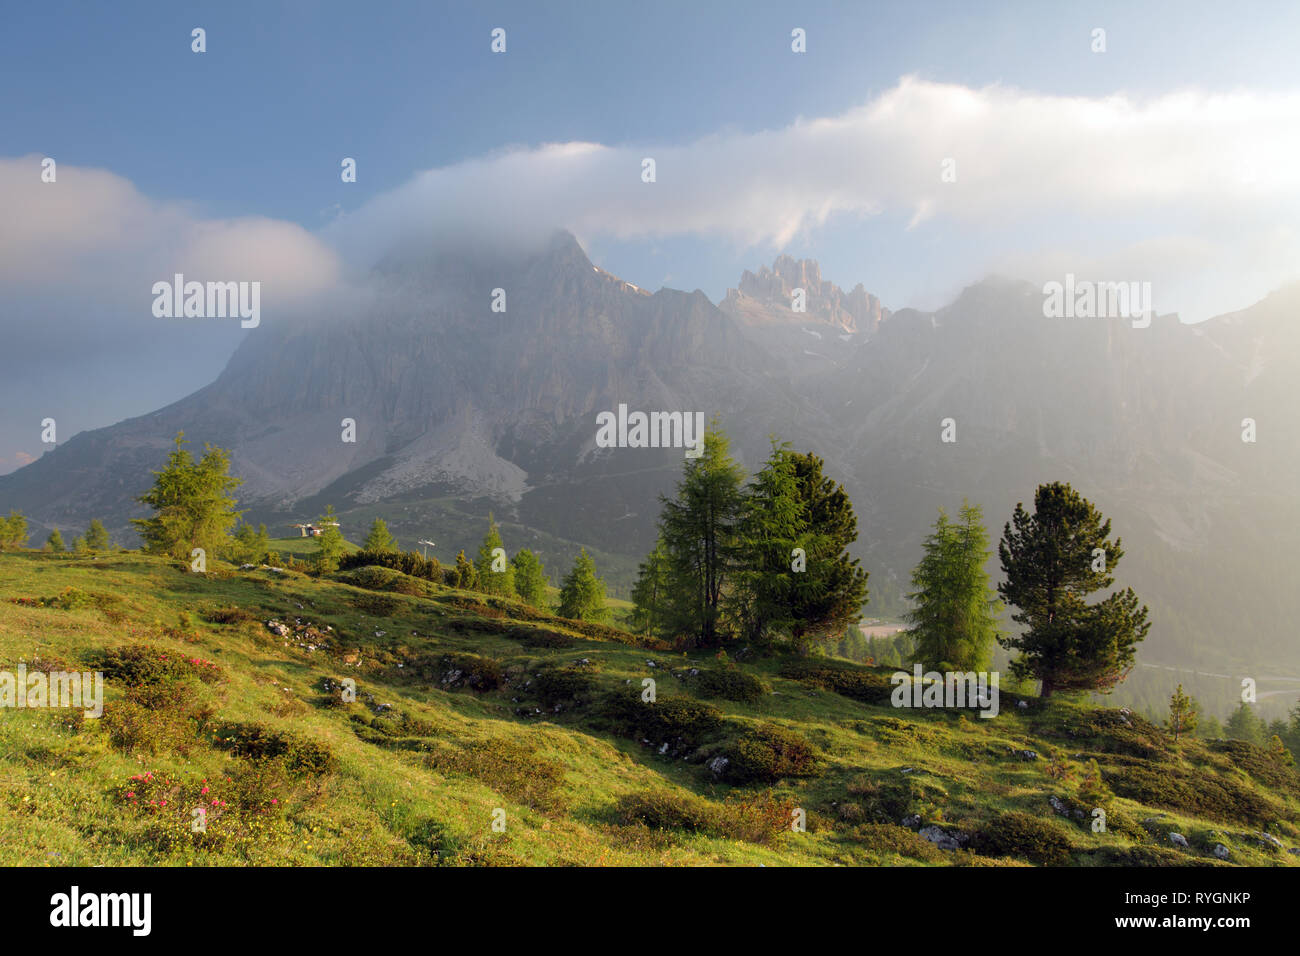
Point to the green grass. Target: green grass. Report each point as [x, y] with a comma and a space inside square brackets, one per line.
[417, 781]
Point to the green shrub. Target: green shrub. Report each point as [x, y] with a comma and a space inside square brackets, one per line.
[886, 801]
[230, 614]
[139, 664]
[1110, 731]
[767, 753]
[514, 770]
[469, 670]
[540, 637]
[887, 838]
[756, 818]
[1194, 792]
[299, 754]
[407, 562]
[379, 605]
[1260, 764]
[559, 687]
[842, 677]
[728, 683]
[672, 725]
[135, 728]
[666, 810]
[1024, 836]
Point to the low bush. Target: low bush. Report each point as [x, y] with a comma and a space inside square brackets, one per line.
[767, 753]
[563, 687]
[469, 671]
[1022, 835]
[299, 754]
[230, 614]
[139, 664]
[513, 769]
[540, 637]
[841, 677]
[1204, 794]
[727, 683]
[756, 818]
[666, 810]
[407, 562]
[890, 838]
[672, 725]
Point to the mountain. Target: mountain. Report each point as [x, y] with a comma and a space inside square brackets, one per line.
[460, 410]
[764, 304]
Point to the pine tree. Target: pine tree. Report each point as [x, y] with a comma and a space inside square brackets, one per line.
[955, 618]
[1245, 724]
[495, 573]
[464, 575]
[1292, 736]
[829, 594]
[1050, 559]
[55, 541]
[1209, 728]
[650, 592]
[1182, 714]
[582, 595]
[697, 527]
[251, 546]
[330, 544]
[764, 572]
[13, 531]
[97, 537]
[379, 538]
[530, 578]
[192, 503]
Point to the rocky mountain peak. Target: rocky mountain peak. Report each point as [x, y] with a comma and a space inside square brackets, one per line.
[765, 298]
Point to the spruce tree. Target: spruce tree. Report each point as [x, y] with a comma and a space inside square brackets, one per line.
[13, 531]
[650, 592]
[1053, 559]
[697, 526]
[1245, 724]
[330, 544]
[97, 537]
[380, 538]
[955, 618]
[828, 596]
[495, 573]
[765, 568]
[530, 578]
[582, 595]
[463, 575]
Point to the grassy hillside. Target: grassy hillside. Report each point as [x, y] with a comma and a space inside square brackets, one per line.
[466, 706]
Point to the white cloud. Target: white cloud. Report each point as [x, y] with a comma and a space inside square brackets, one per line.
[91, 234]
[1019, 156]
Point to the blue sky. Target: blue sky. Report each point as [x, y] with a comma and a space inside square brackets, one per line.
[257, 125]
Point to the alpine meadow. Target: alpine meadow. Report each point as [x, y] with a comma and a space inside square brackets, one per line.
[374, 494]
